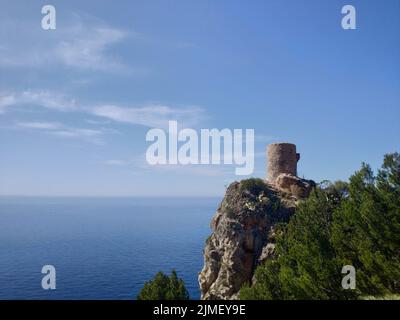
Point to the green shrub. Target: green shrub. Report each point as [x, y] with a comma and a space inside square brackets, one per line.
[164, 287]
[253, 185]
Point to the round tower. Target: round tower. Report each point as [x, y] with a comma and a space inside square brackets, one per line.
[282, 158]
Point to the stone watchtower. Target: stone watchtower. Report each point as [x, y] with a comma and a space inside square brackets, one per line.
[282, 158]
[282, 170]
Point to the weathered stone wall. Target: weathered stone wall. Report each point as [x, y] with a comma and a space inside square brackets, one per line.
[282, 158]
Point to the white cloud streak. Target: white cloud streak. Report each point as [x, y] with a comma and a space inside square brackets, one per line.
[61, 130]
[6, 101]
[45, 99]
[40, 125]
[87, 49]
[150, 116]
[81, 44]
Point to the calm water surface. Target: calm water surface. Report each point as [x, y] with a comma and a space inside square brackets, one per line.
[102, 248]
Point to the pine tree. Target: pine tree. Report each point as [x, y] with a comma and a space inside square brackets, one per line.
[367, 226]
[355, 223]
[164, 287]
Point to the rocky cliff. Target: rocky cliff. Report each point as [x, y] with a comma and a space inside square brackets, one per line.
[243, 232]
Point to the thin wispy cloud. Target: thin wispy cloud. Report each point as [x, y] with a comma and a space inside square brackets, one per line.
[82, 43]
[61, 130]
[97, 122]
[141, 166]
[87, 48]
[6, 101]
[150, 116]
[115, 162]
[45, 99]
[77, 132]
[40, 125]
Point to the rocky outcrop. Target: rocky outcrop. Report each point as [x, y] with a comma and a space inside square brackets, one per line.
[243, 235]
[244, 226]
[300, 188]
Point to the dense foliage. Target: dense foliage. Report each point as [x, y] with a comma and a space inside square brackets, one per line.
[164, 287]
[355, 223]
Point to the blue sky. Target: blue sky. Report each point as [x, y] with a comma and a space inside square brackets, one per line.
[76, 102]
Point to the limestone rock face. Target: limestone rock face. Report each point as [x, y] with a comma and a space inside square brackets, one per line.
[243, 235]
[298, 187]
[244, 226]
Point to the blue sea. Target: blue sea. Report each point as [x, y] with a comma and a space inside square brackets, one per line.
[101, 248]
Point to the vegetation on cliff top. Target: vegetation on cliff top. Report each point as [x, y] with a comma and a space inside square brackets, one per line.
[254, 185]
[164, 287]
[340, 224]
